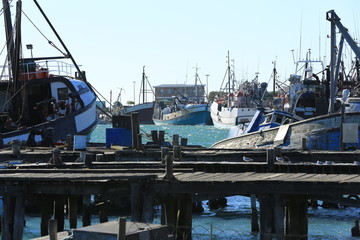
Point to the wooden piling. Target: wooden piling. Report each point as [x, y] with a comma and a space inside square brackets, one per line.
[183, 141]
[161, 137]
[7, 226]
[254, 215]
[47, 206]
[164, 152]
[176, 153]
[88, 160]
[170, 210]
[279, 216]
[147, 213]
[154, 136]
[139, 142]
[122, 229]
[270, 159]
[175, 139]
[135, 128]
[184, 217]
[19, 213]
[86, 213]
[72, 209]
[266, 217]
[53, 229]
[296, 218]
[136, 202]
[103, 217]
[169, 168]
[59, 212]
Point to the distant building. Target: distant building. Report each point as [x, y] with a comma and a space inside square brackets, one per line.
[190, 91]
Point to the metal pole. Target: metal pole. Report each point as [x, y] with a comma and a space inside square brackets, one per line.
[134, 91]
[332, 67]
[207, 87]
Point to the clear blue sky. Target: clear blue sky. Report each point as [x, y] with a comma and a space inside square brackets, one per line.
[113, 40]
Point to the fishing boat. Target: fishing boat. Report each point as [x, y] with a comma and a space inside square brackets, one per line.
[182, 110]
[236, 105]
[42, 100]
[181, 113]
[323, 116]
[144, 109]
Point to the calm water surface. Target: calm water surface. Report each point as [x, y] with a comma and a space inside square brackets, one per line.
[232, 222]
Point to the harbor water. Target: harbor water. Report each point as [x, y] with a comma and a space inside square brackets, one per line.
[233, 221]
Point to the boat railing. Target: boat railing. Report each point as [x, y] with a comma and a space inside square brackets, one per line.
[40, 69]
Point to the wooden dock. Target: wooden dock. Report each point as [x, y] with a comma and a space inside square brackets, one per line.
[283, 185]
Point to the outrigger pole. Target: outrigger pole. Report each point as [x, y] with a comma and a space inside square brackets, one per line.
[68, 54]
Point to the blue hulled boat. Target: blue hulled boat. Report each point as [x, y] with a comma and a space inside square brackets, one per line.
[182, 114]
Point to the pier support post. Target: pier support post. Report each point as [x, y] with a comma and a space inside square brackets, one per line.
[161, 137]
[154, 136]
[47, 206]
[169, 168]
[178, 215]
[59, 212]
[175, 139]
[139, 142]
[296, 218]
[53, 229]
[272, 208]
[164, 153]
[86, 213]
[12, 224]
[183, 141]
[88, 160]
[266, 217]
[122, 229]
[72, 209]
[270, 159]
[136, 200]
[254, 215]
[184, 217]
[135, 128]
[279, 216]
[147, 214]
[177, 153]
[19, 214]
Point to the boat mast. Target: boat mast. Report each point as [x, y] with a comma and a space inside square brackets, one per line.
[8, 30]
[229, 73]
[196, 78]
[274, 78]
[143, 84]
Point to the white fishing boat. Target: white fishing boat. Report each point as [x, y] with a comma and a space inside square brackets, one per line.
[236, 105]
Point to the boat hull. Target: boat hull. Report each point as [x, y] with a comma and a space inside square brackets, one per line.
[81, 122]
[195, 115]
[321, 133]
[145, 112]
[227, 117]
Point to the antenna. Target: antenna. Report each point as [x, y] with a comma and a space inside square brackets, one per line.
[319, 41]
[300, 35]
